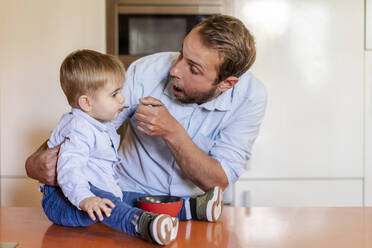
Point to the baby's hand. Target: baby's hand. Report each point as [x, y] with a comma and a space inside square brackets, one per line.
[93, 205]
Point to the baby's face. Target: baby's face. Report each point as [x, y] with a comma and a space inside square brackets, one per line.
[107, 102]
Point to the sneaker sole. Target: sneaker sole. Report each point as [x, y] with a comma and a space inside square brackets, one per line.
[214, 206]
[164, 229]
[174, 232]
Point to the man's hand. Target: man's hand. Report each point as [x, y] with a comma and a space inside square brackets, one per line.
[42, 164]
[97, 205]
[154, 119]
[203, 170]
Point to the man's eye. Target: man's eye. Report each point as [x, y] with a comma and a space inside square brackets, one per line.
[193, 71]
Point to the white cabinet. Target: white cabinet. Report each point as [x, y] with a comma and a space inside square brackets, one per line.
[299, 192]
[369, 24]
[368, 128]
[310, 57]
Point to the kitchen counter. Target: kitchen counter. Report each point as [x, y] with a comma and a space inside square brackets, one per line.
[238, 227]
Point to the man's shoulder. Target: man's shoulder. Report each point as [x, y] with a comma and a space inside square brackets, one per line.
[149, 73]
[249, 86]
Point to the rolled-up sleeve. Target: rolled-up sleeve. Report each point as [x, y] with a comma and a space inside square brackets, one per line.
[233, 145]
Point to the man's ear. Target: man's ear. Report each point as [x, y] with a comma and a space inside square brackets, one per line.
[85, 103]
[228, 83]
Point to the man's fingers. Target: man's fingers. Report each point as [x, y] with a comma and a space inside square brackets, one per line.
[53, 151]
[143, 127]
[150, 100]
[141, 117]
[146, 110]
[56, 148]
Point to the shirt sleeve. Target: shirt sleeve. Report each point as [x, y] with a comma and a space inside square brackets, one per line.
[233, 145]
[72, 160]
[142, 78]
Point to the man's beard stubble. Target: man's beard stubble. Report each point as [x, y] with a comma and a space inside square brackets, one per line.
[198, 98]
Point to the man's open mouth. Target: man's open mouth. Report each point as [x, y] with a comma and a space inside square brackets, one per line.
[177, 90]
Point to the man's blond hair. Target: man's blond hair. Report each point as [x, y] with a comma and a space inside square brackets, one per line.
[84, 71]
[232, 40]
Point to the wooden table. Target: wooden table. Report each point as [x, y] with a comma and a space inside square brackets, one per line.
[238, 227]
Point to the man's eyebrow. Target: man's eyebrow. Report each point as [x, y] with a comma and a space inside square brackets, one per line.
[191, 61]
[197, 64]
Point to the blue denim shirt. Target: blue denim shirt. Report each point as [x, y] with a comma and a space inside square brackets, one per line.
[225, 128]
[88, 155]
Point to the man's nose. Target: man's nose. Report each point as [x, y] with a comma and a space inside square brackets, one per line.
[176, 70]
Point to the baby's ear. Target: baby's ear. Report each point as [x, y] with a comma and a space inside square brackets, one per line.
[85, 103]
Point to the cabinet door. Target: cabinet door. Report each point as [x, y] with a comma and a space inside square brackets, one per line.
[294, 192]
[368, 128]
[310, 58]
[369, 24]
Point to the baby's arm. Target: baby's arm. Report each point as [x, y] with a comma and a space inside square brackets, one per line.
[97, 205]
[72, 178]
[71, 165]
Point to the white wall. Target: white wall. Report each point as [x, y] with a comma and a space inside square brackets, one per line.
[311, 59]
[35, 37]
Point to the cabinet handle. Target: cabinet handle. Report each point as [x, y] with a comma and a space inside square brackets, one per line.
[246, 198]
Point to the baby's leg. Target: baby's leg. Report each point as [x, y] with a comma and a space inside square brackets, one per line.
[123, 216]
[60, 211]
[161, 229]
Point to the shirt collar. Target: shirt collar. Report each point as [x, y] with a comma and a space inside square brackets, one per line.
[222, 103]
[99, 125]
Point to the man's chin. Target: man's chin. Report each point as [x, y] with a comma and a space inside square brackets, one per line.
[180, 98]
[183, 99]
[198, 100]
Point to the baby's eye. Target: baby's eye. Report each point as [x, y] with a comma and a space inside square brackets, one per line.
[114, 94]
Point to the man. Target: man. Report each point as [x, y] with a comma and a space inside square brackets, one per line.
[193, 116]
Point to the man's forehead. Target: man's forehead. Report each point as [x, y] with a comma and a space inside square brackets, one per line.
[196, 52]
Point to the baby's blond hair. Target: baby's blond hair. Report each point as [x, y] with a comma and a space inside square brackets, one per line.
[84, 71]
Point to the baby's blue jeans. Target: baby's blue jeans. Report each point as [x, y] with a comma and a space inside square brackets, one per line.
[124, 215]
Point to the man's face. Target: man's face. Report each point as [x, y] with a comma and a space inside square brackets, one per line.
[195, 72]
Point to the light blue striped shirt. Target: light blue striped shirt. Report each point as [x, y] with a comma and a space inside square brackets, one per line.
[88, 155]
[225, 128]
